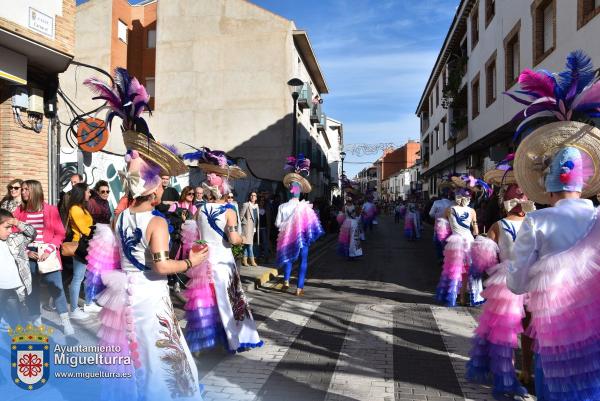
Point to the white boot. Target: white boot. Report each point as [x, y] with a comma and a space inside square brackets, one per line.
[92, 308]
[66, 323]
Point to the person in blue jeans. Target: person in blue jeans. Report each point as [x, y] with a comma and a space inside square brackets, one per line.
[80, 224]
[50, 233]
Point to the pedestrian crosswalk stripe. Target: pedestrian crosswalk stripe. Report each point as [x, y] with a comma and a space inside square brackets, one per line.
[243, 375]
[456, 326]
[365, 367]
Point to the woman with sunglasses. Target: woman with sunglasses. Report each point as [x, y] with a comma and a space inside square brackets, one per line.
[186, 201]
[12, 199]
[51, 232]
[98, 204]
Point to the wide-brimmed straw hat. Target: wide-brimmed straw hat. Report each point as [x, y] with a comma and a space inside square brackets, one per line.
[459, 183]
[152, 151]
[231, 172]
[295, 177]
[537, 150]
[500, 177]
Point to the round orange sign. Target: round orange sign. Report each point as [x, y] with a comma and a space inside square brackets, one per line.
[92, 135]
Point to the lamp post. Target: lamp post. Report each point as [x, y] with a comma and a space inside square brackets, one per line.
[342, 157]
[296, 85]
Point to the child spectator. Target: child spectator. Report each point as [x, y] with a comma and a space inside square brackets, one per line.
[15, 276]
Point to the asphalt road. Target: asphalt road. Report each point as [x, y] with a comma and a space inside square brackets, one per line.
[366, 329]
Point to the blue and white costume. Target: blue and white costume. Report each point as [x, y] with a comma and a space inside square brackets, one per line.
[236, 318]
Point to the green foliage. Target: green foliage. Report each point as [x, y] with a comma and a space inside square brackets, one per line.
[456, 72]
[238, 251]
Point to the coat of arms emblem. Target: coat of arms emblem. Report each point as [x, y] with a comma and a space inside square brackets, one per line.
[30, 356]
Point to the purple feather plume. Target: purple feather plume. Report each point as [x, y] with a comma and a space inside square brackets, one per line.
[297, 164]
[172, 148]
[573, 93]
[537, 83]
[205, 155]
[150, 172]
[127, 99]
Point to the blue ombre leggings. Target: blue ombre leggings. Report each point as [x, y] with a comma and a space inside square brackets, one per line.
[301, 269]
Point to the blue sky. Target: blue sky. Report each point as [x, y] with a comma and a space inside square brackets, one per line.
[376, 56]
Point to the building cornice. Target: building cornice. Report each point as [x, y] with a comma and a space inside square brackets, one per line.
[307, 54]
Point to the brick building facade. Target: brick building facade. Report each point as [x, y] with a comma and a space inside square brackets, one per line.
[399, 159]
[36, 44]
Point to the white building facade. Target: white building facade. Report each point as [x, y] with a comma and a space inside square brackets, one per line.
[465, 118]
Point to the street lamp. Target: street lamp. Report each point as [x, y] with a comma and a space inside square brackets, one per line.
[296, 85]
[342, 157]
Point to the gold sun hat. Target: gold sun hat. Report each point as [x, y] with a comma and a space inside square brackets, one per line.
[537, 150]
[500, 177]
[503, 174]
[458, 182]
[169, 162]
[562, 151]
[294, 177]
[216, 162]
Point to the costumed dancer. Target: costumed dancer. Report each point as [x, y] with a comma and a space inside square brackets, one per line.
[437, 213]
[556, 256]
[412, 223]
[297, 222]
[497, 334]
[456, 275]
[137, 314]
[217, 309]
[349, 245]
[369, 213]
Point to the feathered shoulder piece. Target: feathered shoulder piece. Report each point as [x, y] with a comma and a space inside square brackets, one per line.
[573, 94]
[205, 155]
[297, 164]
[126, 98]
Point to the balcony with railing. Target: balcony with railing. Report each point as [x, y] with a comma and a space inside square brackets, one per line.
[305, 97]
[315, 113]
[322, 124]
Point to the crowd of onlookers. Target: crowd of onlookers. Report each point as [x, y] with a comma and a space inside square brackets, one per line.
[45, 246]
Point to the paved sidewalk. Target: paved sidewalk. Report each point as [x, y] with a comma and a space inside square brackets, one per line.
[366, 330]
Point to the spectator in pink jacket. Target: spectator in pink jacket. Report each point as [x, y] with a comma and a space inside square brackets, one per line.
[50, 231]
[186, 201]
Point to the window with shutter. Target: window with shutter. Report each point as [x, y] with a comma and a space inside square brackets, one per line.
[544, 29]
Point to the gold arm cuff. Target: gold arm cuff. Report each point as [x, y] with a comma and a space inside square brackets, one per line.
[160, 256]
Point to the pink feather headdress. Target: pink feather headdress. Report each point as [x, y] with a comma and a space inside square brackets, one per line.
[573, 94]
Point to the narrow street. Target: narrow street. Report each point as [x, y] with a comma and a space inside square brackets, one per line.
[366, 330]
